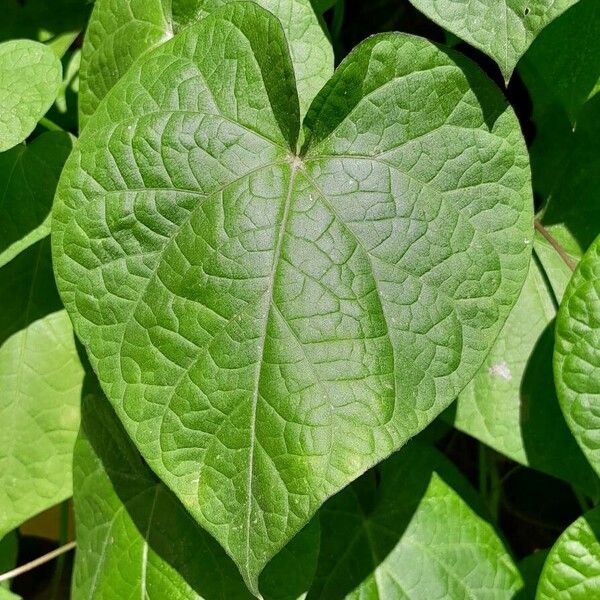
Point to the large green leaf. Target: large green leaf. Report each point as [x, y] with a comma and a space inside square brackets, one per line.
[511, 404]
[562, 72]
[503, 29]
[410, 533]
[122, 509]
[40, 382]
[572, 569]
[31, 75]
[28, 178]
[268, 325]
[119, 32]
[577, 354]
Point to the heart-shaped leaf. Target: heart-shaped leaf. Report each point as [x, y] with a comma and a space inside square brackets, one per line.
[511, 403]
[120, 32]
[577, 354]
[268, 324]
[572, 569]
[121, 507]
[503, 29]
[31, 75]
[411, 532]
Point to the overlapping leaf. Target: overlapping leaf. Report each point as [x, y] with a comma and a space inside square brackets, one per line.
[120, 32]
[267, 324]
[410, 533]
[122, 509]
[562, 73]
[28, 178]
[511, 404]
[577, 354]
[572, 569]
[30, 76]
[40, 382]
[503, 29]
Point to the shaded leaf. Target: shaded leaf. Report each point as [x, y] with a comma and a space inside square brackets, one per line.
[122, 509]
[420, 539]
[31, 75]
[572, 569]
[28, 178]
[577, 354]
[511, 404]
[503, 29]
[561, 72]
[120, 32]
[268, 325]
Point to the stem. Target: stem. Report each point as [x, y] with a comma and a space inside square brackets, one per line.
[554, 243]
[37, 562]
[50, 125]
[63, 534]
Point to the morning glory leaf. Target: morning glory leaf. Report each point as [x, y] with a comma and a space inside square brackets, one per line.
[40, 383]
[511, 404]
[28, 178]
[572, 569]
[30, 76]
[503, 29]
[415, 534]
[122, 508]
[269, 324]
[120, 32]
[577, 354]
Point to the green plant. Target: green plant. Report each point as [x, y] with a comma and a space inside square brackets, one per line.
[315, 302]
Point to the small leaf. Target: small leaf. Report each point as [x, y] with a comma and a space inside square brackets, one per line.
[420, 539]
[121, 508]
[121, 32]
[572, 569]
[31, 75]
[577, 354]
[503, 29]
[40, 382]
[28, 178]
[511, 404]
[269, 325]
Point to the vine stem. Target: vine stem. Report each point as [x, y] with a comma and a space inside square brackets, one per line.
[37, 562]
[50, 125]
[554, 243]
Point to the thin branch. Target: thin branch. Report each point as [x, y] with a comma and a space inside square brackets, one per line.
[559, 249]
[37, 562]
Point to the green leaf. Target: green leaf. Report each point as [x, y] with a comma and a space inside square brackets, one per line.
[577, 354]
[268, 325]
[561, 72]
[531, 568]
[31, 75]
[416, 537]
[565, 58]
[511, 404]
[572, 569]
[40, 382]
[120, 32]
[28, 178]
[503, 29]
[121, 508]
[9, 549]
